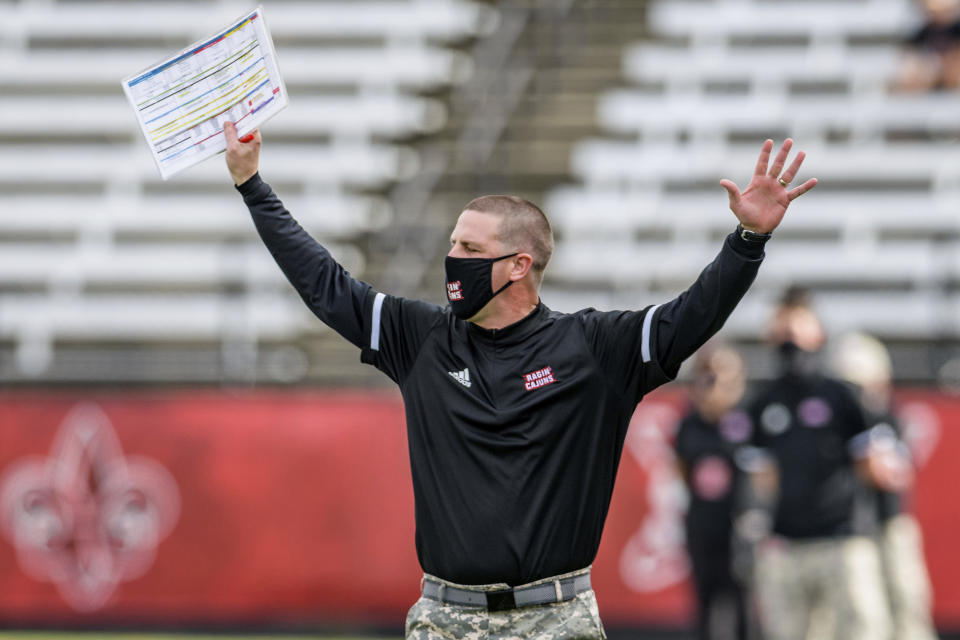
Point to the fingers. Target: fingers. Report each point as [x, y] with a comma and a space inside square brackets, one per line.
[732, 191]
[791, 172]
[781, 159]
[796, 192]
[230, 134]
[243, 154]
[764, 158]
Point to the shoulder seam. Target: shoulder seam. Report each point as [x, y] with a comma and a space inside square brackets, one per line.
[596, 361]
[420, 350]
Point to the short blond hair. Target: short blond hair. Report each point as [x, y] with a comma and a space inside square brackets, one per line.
[523, 227]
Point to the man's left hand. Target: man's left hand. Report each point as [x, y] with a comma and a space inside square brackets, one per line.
[762, 204]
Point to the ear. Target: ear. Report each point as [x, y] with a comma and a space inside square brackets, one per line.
[520, 266]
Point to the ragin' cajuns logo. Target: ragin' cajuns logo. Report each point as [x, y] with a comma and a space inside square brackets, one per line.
[87, 517]
[539, 378]
[454, 291]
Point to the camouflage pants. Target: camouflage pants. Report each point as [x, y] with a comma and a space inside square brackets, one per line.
[576, 619]
[825, 589]
[905, 572]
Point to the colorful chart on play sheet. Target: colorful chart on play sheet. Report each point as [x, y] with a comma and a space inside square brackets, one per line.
[182, 103]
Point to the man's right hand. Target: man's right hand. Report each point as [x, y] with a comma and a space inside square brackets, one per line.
[243, 158]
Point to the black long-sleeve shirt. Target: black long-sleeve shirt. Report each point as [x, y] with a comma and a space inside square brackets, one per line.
[807, 422]
[707, 450]
[514, 434]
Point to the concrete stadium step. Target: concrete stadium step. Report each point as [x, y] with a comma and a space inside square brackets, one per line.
[610, 162]
[192, 20]
[402, 64]
[585, 212]
[197, 217]
[361, 164]
[630, 111]
[154, 266]
[385, 114]
[149, 317]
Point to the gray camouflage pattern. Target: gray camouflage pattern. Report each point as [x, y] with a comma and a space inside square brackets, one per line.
[576, 619]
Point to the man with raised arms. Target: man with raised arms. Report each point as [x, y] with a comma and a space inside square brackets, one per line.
[516, 414]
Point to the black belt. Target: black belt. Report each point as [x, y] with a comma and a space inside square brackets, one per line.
[557, 590]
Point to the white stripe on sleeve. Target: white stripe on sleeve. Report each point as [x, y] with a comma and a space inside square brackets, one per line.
[645, 344]
[375, 322]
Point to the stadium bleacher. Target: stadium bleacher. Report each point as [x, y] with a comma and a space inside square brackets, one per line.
[878, 239]
[820, 20]
[627, 116]
[100, 259]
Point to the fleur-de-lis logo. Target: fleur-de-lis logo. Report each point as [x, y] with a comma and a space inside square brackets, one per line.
[87, 518]
[654, 557]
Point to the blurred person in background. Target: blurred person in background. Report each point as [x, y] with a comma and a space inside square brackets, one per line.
[818, 574]
[932, 57]
[863, 361]
[516, 414]
[706, 444]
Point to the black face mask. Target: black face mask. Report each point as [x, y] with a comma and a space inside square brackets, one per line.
[796, 361]
[470, 284]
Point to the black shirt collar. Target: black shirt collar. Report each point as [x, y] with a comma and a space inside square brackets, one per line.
[515, 332]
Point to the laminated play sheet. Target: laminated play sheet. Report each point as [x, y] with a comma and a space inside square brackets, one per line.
[181, 103]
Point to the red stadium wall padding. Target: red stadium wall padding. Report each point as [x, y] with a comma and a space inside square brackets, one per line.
[274, 507]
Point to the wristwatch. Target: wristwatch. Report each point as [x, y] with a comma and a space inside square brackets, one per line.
[752, 236]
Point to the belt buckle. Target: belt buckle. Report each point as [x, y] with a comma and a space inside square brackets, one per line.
[502, 600]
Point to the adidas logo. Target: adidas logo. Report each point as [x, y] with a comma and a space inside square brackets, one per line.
[463, 377]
